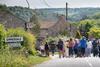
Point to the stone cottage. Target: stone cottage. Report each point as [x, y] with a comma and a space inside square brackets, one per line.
[51, 28]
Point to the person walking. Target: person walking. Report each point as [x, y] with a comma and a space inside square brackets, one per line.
[76, 47]
[71, 46]
[42, 50]
[89, 48]
[95, 48]
[99, 46]
[83, 46]
[60, 48]
[67, 48]
[52, 47]
[47, 49]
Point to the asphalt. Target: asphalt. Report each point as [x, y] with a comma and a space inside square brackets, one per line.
[71, 62]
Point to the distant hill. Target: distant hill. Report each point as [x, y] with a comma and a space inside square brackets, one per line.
[21, 12]
[74, 14]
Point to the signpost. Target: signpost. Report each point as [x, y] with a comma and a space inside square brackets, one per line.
[14, 41]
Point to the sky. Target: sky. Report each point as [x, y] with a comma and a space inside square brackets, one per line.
[52, 3]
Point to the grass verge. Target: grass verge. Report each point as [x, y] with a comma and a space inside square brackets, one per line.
[17, 59]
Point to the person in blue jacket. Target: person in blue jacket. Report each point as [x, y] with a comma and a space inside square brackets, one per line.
[83, 46]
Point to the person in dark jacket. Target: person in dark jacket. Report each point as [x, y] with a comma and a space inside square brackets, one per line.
[52, 47]
[60, 48]
[95, 48]
[47, 49]
[99, 46]
[76, 47]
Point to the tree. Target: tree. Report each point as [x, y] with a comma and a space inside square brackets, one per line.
[64, 33]
[95, 31]
[36, 26]
[96, 16]
[78, 35]
[87, 29]
[2, 35]
[3, 7]
[85, 26]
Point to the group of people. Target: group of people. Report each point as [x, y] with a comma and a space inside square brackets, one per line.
[73, 47]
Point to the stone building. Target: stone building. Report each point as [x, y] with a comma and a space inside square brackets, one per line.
[51, 28]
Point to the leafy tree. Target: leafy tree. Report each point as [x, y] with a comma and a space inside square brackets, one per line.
[2, 35]
[3, 7]
[85, 26]
[64, 33]
[22, 12]
[94, 31]
[36, 26]
[78, 35]
[96, 16]
[97, 23]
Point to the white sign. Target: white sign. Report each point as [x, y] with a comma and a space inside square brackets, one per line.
[13, 39]
[14, 44]
[29, 25]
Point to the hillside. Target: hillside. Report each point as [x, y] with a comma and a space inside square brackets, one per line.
[23, 13]
[74, 14]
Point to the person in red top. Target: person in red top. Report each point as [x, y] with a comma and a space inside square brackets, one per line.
[71, 45]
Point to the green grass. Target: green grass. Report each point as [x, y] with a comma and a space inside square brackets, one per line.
[11, 58]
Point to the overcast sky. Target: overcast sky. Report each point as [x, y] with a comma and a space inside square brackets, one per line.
[52, 3]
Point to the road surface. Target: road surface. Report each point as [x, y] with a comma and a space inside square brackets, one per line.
[71, 62]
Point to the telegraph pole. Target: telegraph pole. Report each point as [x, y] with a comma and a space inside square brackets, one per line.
[66, 11]
[26, 28]
[28, 4]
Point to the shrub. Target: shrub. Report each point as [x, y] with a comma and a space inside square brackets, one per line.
[2, 35]
[78, 34]
[95, 32]
[29, 39]
[12, 59]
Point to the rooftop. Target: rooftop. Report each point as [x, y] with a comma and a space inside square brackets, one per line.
[46, 24]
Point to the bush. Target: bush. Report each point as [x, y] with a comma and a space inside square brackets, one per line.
[78, 34]
[12, 58]
[95, 32]
[2, 35]
[15, 58]
[18, 57]
[29, 39]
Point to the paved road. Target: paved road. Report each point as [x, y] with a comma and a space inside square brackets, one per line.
[71, 62]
